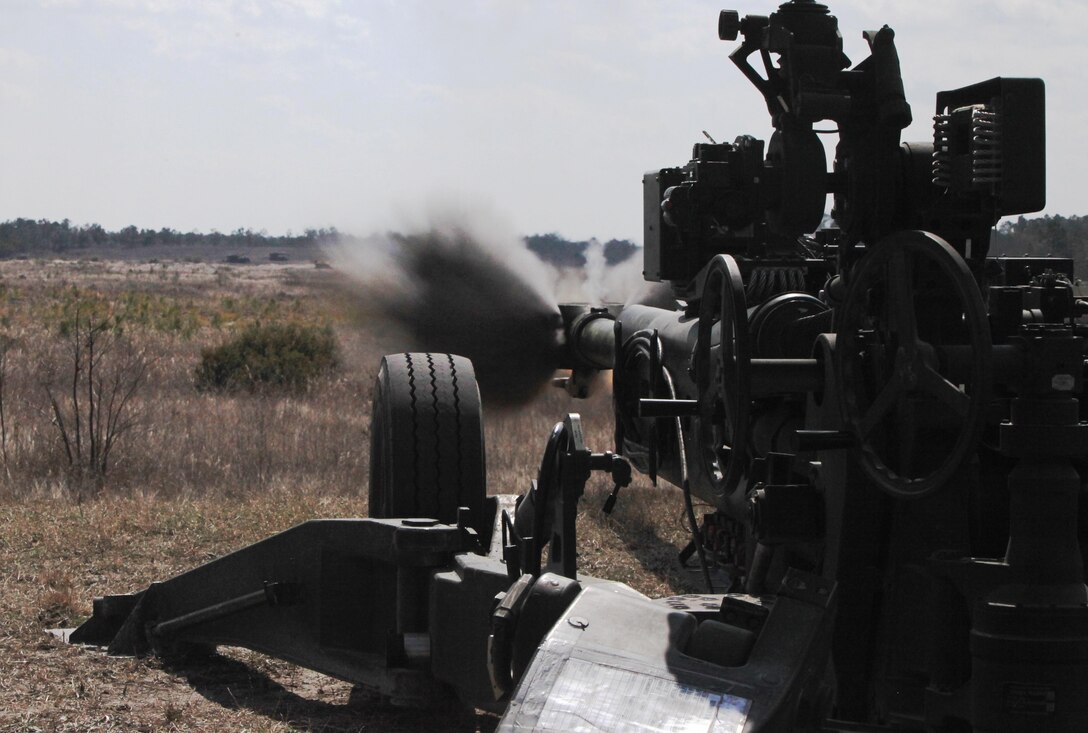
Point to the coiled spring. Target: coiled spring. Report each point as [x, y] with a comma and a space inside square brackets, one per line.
[986, 159]
[942, 150]
[766, 282]
[984, 149]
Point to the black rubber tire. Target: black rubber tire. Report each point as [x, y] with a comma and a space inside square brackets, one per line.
[427, 440]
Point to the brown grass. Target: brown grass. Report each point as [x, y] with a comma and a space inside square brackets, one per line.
[207, 474]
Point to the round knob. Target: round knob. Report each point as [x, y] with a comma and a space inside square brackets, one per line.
[728, 25]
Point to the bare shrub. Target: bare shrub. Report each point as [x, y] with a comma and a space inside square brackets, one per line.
[91, 376]
[7, 344]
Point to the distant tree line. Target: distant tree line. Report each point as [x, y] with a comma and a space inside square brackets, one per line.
[566, 253]
[42, 237]
[1055, 236]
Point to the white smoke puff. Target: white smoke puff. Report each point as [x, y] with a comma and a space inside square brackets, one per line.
[369, 260]
[623, 281]
[606, 284]
[569, 285]
[595, 271]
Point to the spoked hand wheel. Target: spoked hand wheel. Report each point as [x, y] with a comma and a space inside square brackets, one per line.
[723, 379]
[912, 304]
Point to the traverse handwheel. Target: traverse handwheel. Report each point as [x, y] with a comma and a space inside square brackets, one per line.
[723, 379]
[909, 297]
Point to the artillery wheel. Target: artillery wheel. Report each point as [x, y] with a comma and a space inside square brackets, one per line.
[427, 440]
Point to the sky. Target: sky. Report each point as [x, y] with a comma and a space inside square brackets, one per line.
[281, 115]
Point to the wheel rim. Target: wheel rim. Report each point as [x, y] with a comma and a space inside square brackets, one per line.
[723, 378]
[888, 352]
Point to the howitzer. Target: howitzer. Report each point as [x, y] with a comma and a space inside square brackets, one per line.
[885, 419]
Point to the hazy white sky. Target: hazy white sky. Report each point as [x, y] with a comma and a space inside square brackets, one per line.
[287, 114]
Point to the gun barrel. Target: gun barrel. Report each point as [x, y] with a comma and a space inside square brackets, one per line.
[593, 339]
[591, 334]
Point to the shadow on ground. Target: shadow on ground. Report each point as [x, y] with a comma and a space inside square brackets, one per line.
[653, 552]
[234, 684]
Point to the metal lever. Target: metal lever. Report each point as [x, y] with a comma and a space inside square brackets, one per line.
[668, 408]
[621, 475]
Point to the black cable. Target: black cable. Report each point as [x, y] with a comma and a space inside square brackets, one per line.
[685, 485]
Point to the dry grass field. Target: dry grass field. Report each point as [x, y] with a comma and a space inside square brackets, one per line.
[199, 474]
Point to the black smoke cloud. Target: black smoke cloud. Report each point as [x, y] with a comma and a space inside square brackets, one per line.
[450, 290]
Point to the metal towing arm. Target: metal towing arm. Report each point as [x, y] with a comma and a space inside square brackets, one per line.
[417, 610]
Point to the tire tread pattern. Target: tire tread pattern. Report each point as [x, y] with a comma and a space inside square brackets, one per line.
[431, 403]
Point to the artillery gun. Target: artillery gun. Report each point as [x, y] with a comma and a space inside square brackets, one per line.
[886, 420]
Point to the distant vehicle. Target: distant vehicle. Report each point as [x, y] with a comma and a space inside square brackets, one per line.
[277, 257]
[237, 259]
